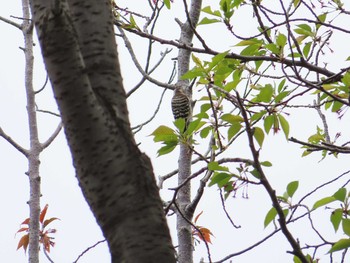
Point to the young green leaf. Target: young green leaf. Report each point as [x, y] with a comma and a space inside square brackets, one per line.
[205, 132]
[233, 130]
[340, 194]
[341, 244]
[346, 226]
[281, 40]
[167, 3]
[284, 124]
[206, 21]
[259, 135]
[336, 218]
[270, 216]
[164, 133]
[169, 147]
[268, 122]
[214, 166]
[220, 179]
[323, 201]
[292, 187]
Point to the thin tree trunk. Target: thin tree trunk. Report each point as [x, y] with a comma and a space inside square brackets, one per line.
[35, 148]
[184, 230]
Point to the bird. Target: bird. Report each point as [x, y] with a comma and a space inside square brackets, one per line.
[181, 104]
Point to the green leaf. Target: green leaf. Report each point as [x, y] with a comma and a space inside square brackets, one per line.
[336, 218]
[256, 174]
[336, 106]
[281, 96]
[346, 226]
[217, 59]
[292, 187]
[208, 10]
[270, 216]
[249, 42]
[346, 79]
[266, 164]
[164, 133]
[296, 3]
[268, 122]
[214, 166]
[233, 130]
[180, 124]
[281, 85]
[321, 18]
[205, 132]
[304, 29]
[258, 115]
[323, 201]
[221, 179]
[281, 40]
[295, 258]
[167, 3]
[340, 245]
[169, 147]
[284, 124]
[340, 194]
[259, 135]
[195, 126]
[273, 48]
[206, 21]
[231, 118]
[306, 49]
[194, 73]
[197, 61]
[266, 93]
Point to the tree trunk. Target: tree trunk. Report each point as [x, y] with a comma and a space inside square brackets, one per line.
[184, 230]
[79, 49]
[35, 147]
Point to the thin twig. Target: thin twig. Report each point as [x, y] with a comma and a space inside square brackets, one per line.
[86, 250]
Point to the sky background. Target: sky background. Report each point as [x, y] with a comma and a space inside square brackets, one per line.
[77, 228]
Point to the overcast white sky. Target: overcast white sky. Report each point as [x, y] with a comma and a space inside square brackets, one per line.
[77, 228]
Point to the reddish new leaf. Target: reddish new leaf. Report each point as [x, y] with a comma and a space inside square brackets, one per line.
[23, 242]
[196, 218]
[206, 233]
[43, 213]
[25, 222]
[22, 229]
[48, 221]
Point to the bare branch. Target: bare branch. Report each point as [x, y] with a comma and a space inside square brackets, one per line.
[89, 248]
[13, 143]
[10, 22]
[137, 64]
[52, 137]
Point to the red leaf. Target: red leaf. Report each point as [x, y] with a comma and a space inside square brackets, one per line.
[206, 233]
[22, 229]
[25, 222]
[43, 213]
[23, 242]
[196, 218]
[48, 221]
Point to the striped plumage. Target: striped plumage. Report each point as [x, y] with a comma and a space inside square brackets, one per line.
[180, 104]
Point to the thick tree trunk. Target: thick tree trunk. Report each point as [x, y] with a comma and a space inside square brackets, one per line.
[79, 49]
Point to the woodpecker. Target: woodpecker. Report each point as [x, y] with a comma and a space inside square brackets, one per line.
[180, 104]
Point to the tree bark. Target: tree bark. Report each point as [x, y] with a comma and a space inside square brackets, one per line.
[35, 147]
[184, 229]
[80, 54]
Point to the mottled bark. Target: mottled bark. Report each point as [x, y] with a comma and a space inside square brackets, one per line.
[79, 49]
[35, 147]
[184, 230]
